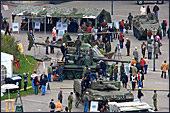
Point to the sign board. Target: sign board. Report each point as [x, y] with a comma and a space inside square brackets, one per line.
[116, 24]
[15, 27]
[110, 24]
[37, 24]
[19, 108]
[94, 106]
[59, 26]
[65, 25]
[60, 33]
[5, 7]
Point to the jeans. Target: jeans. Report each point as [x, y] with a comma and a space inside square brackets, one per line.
[33, 87]
[86, 104]
[111, 37]
[156, 13]
[146, 67]
[115, 76]
[60, 77]
[36, 90]
[47, 50]
[121, 44]
[139, 84]
[49, 77]
[104, 71]
[115, 35]
[149, 55]
[121, 30]
[164, 32]
[43, 89]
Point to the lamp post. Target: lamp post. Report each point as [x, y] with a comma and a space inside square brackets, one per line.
[112, 7]
[154, 33]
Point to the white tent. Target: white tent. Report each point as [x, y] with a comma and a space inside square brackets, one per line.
[7, 64]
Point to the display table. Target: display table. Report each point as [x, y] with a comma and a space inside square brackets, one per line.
[9, 101]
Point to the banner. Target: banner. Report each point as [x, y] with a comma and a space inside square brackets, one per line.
[37, 24]
[59, 26]
[94, 106]
[65, 25]
[15, 27]
[60, 33]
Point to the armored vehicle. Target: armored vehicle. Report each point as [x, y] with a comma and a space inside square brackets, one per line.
[143, 23]
[102, 90]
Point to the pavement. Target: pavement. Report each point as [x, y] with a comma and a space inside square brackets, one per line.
[121, 9]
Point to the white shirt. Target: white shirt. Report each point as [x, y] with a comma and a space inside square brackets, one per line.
[143, 10]
[33, 75]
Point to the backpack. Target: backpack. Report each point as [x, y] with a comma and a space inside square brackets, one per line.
[52, 105]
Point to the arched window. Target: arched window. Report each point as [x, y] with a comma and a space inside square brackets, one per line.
[3, 74]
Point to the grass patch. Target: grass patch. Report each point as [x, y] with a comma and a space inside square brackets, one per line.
[22, 93]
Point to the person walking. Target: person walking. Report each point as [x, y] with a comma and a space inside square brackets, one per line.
[156, 49]
[130, 17]
[163, 24]
[143, 10]
[126, 26]
[142, 62]
[121, 26]
[122, 70]
[115, 71]
[52, 105]
[135, 53]
[124, 80]
[42, 76]
[60, 73]
[84, 71]
[50, 71]
[148, 10]
[32, 78]
[164, 67]
[60, 96]
[25, 76]
[52, 47]
[70, 101]
[47, 42]
[121, 40]
[86, 101]
[91, 54]
[155, 100]
[140, 94]
[43, 84]
[78, 45]
[146, 65]
[140, 79]
[143, 48]
[103, 67]
[7, 30]
[139, 67]
[155, 10]
[133, 79]
[128, 47]
[36, 84]
[58, 106]
[149, 48]
[108, 47]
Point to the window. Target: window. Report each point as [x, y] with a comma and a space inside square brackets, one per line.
[3, 74]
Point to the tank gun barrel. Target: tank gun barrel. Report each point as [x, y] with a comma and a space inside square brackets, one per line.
[111, 60]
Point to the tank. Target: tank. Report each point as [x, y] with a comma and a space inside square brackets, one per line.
[102, 90]
[142, 23]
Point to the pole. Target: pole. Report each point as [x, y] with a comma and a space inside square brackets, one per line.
[44, 25]
[154, 55]
[112, 7]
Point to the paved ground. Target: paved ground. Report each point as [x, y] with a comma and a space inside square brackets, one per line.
[121, 10]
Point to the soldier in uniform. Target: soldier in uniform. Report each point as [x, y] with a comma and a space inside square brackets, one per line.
[70, 101]
[91, 54]
[47, 42]
[130, 17]
[155, 100]
[78, 44]
[108, 47]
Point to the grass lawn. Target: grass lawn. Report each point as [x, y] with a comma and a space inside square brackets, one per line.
[25, 67]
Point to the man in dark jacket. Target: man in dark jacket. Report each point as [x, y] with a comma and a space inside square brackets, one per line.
[78, 45]
[91, 54]
[83, 84]
[163, 24]
[42, 76]
[139, 67]
[63, 50]
[87, 78]
[103, 67]
[60, 73]
[60, 96]
[122, 70]
[124, 80]
[140, 94]
[43, 84]
[130, 17]
[108, 47]
[128, 46]
[98, 67]
[155, 10]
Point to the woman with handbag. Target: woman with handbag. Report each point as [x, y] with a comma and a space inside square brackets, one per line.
[36, 84]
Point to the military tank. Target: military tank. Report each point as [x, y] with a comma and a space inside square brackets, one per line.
[102, 90]
[143, 23]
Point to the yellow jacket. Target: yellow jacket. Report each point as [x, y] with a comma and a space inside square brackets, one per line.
[58, 106]
[133, 62]
[164, 67]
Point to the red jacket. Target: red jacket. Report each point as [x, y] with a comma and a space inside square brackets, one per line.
[120, 36]
[142, 62]
[122, 24]
[89, 29]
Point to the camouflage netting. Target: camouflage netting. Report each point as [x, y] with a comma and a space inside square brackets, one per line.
[53, 11]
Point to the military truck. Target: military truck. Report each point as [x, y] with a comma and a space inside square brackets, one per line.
[102, 90]
[140, 2]
[143, 23]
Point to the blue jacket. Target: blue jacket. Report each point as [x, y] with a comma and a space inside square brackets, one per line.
[163, 25]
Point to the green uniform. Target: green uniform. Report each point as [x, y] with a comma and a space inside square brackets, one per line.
[155, 100]
[91, 54]
[84, 71]
[70, 101]
[111, 70]
[108, 47]
[78, 45]
[122, 70]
